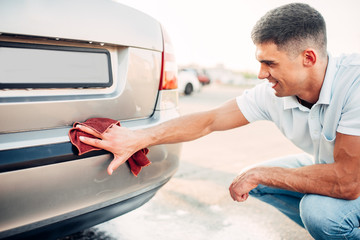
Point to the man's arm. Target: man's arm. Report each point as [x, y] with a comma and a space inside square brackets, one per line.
[340, 179]
[123, 142]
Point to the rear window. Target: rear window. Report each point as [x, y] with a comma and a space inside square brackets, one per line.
[45, 66]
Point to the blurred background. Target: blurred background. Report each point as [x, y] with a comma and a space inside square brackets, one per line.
[215, 35]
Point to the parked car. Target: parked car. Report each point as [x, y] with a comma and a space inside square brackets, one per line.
[188, 82]
[63, 62]
[201, 74]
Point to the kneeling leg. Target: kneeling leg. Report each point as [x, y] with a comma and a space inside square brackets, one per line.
[330, 218]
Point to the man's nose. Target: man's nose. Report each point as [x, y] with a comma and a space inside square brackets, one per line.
[263, 72]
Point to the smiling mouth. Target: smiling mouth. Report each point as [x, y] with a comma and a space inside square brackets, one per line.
[274, 84]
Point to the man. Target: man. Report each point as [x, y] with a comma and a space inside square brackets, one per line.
[313, 99]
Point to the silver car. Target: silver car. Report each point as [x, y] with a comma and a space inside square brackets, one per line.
[67, 61]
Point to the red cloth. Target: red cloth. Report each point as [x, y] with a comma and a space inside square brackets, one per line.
[100, 125]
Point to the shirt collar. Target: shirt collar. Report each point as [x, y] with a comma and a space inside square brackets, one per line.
[291, 102]
[325, 92]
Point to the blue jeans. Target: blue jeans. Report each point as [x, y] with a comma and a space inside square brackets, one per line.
[324, 217]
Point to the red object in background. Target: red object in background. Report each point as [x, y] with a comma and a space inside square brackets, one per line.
[203, 79]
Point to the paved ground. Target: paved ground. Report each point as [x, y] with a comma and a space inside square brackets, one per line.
[195, 204]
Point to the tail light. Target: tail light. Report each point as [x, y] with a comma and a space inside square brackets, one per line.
[169, 66]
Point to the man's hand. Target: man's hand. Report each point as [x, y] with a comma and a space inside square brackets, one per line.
[242, 185]
[120, 141]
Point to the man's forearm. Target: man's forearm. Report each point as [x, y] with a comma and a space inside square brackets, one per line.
[340, 179]
[193, 126]
[322, 179]
[182, 129]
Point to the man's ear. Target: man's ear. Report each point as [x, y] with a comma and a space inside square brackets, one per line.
[310, 57]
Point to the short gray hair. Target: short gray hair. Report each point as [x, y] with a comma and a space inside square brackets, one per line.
[293, 28]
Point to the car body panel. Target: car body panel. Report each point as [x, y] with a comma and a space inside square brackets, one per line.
[86, 20]
[45, 184]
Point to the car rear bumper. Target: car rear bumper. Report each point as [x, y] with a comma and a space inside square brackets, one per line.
[70, 223]
[46, 188]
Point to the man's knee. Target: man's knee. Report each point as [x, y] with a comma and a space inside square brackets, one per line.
[321, 218]
[311, 213]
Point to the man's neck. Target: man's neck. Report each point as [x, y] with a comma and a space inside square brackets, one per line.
[312, 94]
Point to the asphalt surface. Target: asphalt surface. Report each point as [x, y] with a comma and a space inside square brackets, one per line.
[195, 204]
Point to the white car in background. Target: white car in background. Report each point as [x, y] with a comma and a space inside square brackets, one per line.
[188, 82]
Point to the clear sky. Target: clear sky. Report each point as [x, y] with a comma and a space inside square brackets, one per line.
[211, 32]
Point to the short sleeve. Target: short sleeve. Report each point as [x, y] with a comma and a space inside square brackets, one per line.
[252, 103]
[350, 116]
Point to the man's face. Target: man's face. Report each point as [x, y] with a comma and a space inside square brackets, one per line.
[286, 74]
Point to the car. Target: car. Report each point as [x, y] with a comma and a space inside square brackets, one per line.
[201, 74]
[68, 61]
[188, 82]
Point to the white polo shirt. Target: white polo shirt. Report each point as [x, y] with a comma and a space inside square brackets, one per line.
[313, 130]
